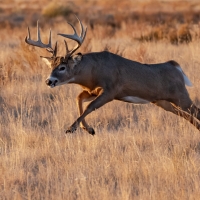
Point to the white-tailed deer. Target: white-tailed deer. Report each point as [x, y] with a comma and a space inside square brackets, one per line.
[105, 76]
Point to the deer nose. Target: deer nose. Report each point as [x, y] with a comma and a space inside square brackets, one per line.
[48, 82]
[51, 82]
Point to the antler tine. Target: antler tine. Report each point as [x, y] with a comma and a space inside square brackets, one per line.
[49, 48]
[38, 31]
[84, 34]
[82, 29]
[50, 37]
[67, 49]
[39, 43]
[75, 37]
[29, 34]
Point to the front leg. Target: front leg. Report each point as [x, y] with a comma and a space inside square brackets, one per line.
[103, 98]
[84, 97]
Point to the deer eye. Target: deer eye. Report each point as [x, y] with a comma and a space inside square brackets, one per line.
[62, 68]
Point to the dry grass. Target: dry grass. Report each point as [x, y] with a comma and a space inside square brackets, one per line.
[138, 152]
[54, 9]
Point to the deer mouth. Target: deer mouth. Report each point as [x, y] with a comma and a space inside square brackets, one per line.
[52, 85]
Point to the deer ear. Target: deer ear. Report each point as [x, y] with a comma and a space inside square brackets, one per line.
[47, 61]
[77, 58]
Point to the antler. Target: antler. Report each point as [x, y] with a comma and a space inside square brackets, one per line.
[39, 43]
[75, 37]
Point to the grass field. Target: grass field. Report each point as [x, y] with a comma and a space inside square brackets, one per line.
[138, 152]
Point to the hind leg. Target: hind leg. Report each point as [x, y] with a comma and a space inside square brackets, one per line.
[187, 111]
[185, 105]
[195, 111]
[166, 105]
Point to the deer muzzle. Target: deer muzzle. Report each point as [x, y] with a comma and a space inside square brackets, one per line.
[51, 82]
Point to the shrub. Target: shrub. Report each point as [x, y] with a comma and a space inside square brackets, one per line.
[174, 35]
[54, 9]
[184, 34]
[155, 34]
[180, 35]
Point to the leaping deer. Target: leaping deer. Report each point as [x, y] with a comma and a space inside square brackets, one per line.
[105, 76]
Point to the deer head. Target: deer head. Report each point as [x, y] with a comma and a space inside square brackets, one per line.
[62, 67]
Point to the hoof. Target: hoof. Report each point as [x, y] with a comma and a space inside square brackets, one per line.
[89, 130]
[70, 130]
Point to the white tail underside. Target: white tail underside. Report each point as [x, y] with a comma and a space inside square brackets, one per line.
[186, 79]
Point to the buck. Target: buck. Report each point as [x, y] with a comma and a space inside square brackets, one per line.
[105, 77]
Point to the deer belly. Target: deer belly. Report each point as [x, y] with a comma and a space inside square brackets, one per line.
[135, 100]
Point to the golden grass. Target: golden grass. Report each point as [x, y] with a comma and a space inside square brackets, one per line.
[54, 9]
[138, 152]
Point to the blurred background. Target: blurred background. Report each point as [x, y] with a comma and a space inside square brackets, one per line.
[175, 21]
